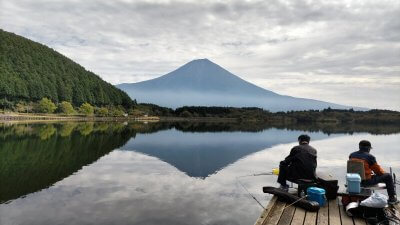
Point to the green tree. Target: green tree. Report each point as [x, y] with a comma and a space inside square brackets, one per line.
[185, 114]
[46, 106]
[116, 112]
[20, 107]
[86, 109]
[103, 111]
[66, 107]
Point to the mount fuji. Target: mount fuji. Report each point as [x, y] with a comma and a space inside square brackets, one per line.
[204, 83]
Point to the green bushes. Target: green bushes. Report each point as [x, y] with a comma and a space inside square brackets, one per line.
[46, 106]
[66, 108]
[86, 109]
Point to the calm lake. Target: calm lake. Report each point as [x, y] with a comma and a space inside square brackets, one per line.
[160, 173]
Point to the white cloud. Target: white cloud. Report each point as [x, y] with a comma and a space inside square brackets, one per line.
[263, 41]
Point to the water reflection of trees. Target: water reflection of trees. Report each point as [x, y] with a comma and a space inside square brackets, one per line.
[85, 128]
[326, 128]
[35, 156]
[66, 129]
[46, 131]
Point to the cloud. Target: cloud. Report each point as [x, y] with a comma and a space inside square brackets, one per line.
[130, 41]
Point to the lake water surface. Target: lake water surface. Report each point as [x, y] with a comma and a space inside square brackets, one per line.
[172, 174]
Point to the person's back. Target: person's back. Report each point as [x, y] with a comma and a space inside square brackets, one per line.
[301, 163]
[371, 167]
[374, 173]
[304, 162]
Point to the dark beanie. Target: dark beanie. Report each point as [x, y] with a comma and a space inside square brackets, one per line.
[364, 145]
[304, 138]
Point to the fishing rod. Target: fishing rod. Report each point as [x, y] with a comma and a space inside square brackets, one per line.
[248, 192]
[275, 171]
[256, 174]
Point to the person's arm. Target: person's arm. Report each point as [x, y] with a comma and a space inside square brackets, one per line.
[376, 167]
[291, 156]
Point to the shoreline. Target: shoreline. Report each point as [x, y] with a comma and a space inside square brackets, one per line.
[15, 118]
[4, 118]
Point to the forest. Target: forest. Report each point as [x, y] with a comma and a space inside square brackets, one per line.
[30, 71]
[350, 116]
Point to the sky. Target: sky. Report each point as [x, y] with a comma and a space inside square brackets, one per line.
[341, 51]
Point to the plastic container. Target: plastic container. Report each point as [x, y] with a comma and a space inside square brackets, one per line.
[353, 181]
[317, 195]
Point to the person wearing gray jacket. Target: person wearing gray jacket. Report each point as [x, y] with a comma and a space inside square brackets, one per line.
[301, 163]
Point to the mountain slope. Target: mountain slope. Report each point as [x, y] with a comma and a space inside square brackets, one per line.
[30, 71]
[201, 75]
[204, 83]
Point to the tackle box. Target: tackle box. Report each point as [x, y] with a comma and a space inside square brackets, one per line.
[353, 181]
[316, 194]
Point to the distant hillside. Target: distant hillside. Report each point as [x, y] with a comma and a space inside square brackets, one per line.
[204, 83]
[30, 71]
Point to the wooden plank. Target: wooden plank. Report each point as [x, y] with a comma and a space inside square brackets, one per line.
[334, 215]
[299, 216]
[311, 218]
[287, 215]
[323, 215]
[275, 214]
[266, 211]
[359, 221]
[346, 220]
[396, 209]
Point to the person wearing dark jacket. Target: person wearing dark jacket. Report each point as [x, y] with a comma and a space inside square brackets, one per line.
[301, 163]
[374, 173]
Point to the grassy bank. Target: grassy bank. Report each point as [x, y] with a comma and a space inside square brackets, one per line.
[4, 117]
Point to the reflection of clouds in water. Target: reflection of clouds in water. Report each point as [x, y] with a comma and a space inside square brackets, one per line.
[128, 187]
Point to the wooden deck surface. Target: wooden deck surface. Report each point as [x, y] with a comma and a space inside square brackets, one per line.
[280, 213]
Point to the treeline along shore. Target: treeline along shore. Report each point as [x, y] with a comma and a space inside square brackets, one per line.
[45, 109]
[253, 114]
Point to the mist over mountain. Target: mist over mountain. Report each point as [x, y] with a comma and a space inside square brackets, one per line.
[204, 83]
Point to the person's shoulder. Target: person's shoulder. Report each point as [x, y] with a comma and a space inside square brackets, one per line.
[358, 154]
[297, 149]
[354, 153]
[311, 147]
[311, 150]
[370, 155]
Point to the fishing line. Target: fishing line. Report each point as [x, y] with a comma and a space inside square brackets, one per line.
[256, 174]
[305, 196]
[237, 180]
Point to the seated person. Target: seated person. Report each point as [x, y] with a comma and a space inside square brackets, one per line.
[374, 173]
[301, 163]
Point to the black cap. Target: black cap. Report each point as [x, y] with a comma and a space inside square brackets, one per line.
[365, 145]
[304, 138]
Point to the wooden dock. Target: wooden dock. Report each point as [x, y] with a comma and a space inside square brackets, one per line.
[280, 213]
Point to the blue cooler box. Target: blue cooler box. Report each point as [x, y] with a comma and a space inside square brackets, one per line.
[317, 195]
[353, 181]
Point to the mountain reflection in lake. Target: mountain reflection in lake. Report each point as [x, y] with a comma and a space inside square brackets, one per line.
[179, 173]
